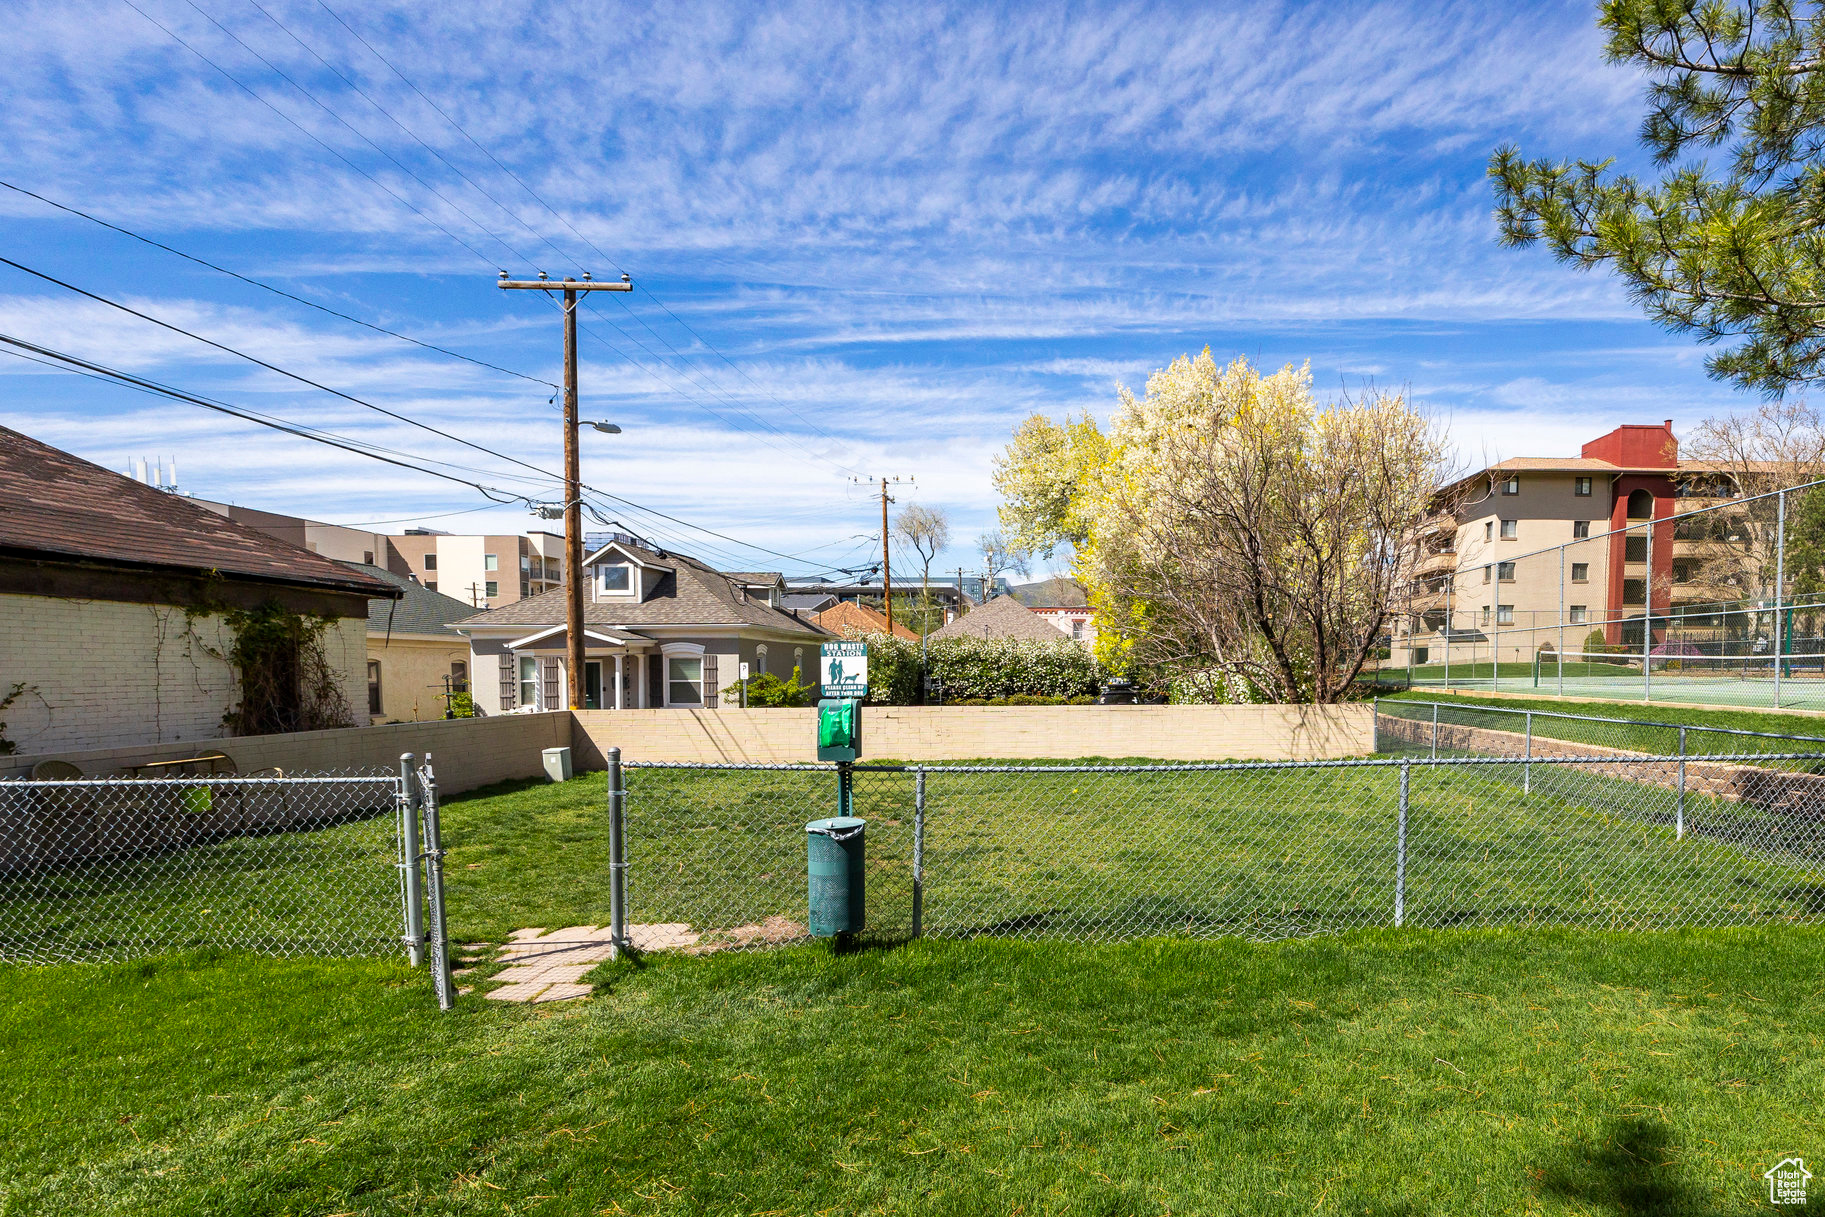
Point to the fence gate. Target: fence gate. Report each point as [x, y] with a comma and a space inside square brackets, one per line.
[103, 869]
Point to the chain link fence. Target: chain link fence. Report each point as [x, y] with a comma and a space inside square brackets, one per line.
[1258, 850]
[1412, 727]
[103, 869]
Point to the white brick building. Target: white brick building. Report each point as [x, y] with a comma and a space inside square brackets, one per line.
[114, 606]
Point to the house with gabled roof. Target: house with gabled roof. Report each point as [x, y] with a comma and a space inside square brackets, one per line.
[1002, 617]
[661, 630]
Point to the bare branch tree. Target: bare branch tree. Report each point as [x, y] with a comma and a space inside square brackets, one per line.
[998, 557]
[926, 531]
[1732, 551]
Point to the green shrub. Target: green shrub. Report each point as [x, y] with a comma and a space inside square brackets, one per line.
[1594, 643]
[769, 691]
[462, 705]
[982, 670]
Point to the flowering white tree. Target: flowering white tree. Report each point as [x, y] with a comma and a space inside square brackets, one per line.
[1240, 527]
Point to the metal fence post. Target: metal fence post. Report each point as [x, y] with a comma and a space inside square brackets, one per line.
[617, 851]
[1647, 609]
[1435, 731]
[1679, 816]
[439, 937]
[1448, 626]
[1527, 768]
[1375, 723]
[1780, 577]
[1400, 849]
[918, 869]
[1560, 657]
[1495, 636]
[411, 894]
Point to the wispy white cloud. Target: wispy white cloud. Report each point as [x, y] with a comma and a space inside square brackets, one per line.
[902, 227]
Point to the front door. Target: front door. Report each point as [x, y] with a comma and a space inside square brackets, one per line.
[592, 684]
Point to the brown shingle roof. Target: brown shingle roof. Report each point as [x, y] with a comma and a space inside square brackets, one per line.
[57, 506]
[846, 614]
[1002, 617]
[687, 593]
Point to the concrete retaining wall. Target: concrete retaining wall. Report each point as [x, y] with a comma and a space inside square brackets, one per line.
[466, 752]
[957, 733]
[472, 752]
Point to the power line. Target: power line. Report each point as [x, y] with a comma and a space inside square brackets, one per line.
[400, 198]
[277, 291]
[683, 367]
[554, 212]
[271, 367]
[498, 455]
[100, 371]
[312, 136]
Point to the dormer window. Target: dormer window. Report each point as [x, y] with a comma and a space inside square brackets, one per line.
[618, 578]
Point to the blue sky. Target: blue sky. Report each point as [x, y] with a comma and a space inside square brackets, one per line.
[869, 239]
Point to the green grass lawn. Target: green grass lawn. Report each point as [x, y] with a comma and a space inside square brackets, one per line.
[1381, 1072]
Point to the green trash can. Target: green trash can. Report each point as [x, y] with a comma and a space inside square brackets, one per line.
[835, 851]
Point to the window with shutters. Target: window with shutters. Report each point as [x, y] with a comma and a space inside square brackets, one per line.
[684, 681]
[529, 681]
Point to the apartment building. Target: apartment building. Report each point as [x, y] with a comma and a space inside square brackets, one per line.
[1541, 552]
[483, 571]
[487, 571]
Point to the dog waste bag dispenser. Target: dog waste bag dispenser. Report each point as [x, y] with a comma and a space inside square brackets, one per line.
[836, 848]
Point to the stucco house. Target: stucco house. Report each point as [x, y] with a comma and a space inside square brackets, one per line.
[118, 611]
[414, 662]
[661, 630]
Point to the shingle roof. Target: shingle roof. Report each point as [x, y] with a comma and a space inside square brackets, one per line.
[419, 610]
[754, 577]
[55, 505]
[1002, 617]
[807, 602]
[687, 593]
[847, 614]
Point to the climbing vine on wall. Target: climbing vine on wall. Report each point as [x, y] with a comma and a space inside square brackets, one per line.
[19, 689]
[287, 681]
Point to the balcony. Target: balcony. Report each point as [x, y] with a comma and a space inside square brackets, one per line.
[1432, 563]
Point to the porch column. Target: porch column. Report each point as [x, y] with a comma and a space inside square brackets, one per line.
[618, 682]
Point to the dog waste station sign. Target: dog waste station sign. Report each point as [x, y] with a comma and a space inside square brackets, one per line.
[843, 669]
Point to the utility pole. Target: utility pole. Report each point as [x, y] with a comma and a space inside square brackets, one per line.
[475, 595]
[886, 562]
[573, 479]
